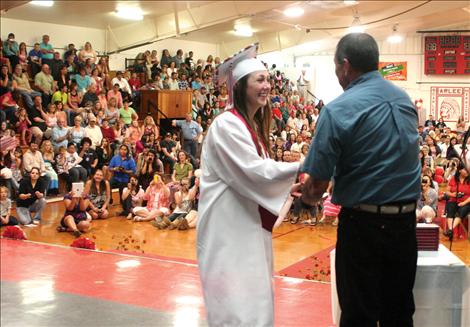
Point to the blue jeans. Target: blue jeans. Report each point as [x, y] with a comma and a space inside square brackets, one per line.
[190, 147]
[29, 96]
[23, 213]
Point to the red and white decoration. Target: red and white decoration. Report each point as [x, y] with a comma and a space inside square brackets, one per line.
[450, 103]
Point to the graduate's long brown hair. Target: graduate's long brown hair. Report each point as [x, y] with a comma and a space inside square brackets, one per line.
[262, 118]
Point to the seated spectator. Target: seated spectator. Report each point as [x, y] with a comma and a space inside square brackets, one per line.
[11, 50]
[103, 69]
[49, 163]
[33, 158]
[123, 85]
[77, 132]
[16, 167]
[182, 169]
[35, 59]
[148, 166]
[451, 150]
[90, 96]
[74, 170]
[114, 93]
[108, 132]
[112, 113]
[93, 131]
[44, 82]
[23, 86]
[127, 114]
[60, 135]
[121, 166]
[87, 53]
[6, 219]
[99, 192]
[31, 198]
[97, 81]
[63, 78]
[150, 127]
[88, 154]
[56, 65]
[83, 80]
[104, 154]
[135, 85]
[278, 155]
[47, 49]
[75, 220]
[74, 99]
[183, 83]
[184, 200]
[134, 133]
[427, 204]
[71, 51]
[157, 196]
[132, 197]
[102, 99]
[8, 108]
[458, 203]
[72, 67]
[50, 119]
[173, 82]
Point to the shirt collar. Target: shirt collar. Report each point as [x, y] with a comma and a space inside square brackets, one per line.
[364, 78]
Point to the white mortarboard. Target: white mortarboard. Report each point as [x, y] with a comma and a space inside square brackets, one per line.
[238, 66]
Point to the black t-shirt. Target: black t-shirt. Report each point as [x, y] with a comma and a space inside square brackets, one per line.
[33, 113]
[88, 158]
[89, 97]
[26, 187]
[103, 158]
[168, 145]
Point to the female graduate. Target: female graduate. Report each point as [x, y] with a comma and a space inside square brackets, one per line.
[242, 194]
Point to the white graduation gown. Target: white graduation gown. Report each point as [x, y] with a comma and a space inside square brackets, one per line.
[234, 251]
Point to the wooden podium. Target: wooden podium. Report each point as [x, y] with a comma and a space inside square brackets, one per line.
[161, 103]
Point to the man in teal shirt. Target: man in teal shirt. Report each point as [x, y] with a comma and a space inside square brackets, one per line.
[367, 142]
[47, 50]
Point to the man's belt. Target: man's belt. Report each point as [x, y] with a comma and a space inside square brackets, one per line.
[387, 209]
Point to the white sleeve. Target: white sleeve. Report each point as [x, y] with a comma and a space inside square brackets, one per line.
[232, 156]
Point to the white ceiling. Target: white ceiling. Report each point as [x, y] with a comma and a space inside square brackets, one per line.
[213, 21]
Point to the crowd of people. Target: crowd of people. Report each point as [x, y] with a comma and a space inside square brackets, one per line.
[77, 124]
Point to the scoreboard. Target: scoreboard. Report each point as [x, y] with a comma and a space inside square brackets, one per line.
[447, 55]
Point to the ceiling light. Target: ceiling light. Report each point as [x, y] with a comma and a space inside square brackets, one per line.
[243, 30]
[294, 12]
[356, 26]
[395, 37]
[43, 3]
[350, 2]
[130, 13]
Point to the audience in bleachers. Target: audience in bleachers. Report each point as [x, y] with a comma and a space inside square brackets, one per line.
[83, 117]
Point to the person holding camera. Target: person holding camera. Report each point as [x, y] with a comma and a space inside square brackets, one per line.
[427, 204]
[121, 166]
[458, 199]
[148, 168]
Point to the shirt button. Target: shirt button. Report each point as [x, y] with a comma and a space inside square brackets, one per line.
[382, 227]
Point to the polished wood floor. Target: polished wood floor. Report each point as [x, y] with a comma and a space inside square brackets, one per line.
[291, 243]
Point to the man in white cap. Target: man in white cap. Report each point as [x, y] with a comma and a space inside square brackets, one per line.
[93, 131]
[242, 194]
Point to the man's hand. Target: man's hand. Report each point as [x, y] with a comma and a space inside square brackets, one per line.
[312, 190]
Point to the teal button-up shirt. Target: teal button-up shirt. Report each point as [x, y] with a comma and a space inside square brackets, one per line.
[367, 140]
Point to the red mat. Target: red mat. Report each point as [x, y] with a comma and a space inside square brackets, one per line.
[315, 267]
